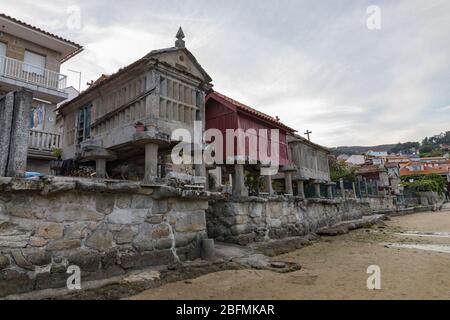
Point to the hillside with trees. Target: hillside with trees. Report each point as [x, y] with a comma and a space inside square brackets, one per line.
[433, 146]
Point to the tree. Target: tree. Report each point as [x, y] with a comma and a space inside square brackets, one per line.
[424, 183]
[340, 170]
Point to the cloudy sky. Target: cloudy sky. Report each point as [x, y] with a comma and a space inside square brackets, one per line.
[315, 64]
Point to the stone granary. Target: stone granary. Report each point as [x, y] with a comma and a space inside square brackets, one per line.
[123, 122]
[224, 113]
[30, 59]
[310, 165]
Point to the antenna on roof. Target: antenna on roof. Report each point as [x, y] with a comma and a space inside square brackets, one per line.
[180, 36]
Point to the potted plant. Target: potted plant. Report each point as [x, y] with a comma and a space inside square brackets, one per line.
[139, 126]
[57, 153]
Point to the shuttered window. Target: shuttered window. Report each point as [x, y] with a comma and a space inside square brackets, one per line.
[35, 63]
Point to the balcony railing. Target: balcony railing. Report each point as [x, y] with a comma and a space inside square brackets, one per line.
[20, 70]
[43, 141]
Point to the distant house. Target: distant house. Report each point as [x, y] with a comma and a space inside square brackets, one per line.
[356, 160]
[415, 168]
[342, 157]
[377, 154]
[374, 173]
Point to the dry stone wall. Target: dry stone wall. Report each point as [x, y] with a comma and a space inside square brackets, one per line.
[104, 227]
[260, 219]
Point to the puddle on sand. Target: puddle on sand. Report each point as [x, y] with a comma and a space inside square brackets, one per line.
[424, 234]
[426, 247]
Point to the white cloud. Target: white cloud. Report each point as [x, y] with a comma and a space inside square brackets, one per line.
[313, 64]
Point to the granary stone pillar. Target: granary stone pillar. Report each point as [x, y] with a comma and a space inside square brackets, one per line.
[239, 188]
[301, 188]
[288, 183]
[341, 186]
[20, 134]
[330, 190]
[316, 189]
[151, 162]
[91, 151]
[354, 190]
[100, 168]
[6, 116]
[288, 172]
[268, 183]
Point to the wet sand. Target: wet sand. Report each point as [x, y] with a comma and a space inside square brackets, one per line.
[335, 268]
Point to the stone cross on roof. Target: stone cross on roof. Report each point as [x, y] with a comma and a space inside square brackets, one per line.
[180, 36]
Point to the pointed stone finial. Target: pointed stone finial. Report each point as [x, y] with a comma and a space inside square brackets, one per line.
[180, 36]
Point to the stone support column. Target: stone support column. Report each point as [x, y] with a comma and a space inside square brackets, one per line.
[341, 186]
[288, 183]
[151, 162]
[316, 189]
[100, 168]
[6, 116]
[269, 187]
[329, 191]
[20, 134]
[239, 188]
[301, 189]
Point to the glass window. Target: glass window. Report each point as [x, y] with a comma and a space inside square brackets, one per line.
[35, 63]
[84, 123]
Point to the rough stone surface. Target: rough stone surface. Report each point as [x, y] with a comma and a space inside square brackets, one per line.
[103, 226]
[50, 230]
[101, 239]
[256, 220]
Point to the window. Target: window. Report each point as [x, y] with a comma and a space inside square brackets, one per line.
[35, 63]
[84, 123]
[2, 56]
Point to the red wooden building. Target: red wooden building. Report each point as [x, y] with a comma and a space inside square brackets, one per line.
[224, 113]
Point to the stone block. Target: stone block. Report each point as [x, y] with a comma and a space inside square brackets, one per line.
[14, 240]
[155, 219]
[123, 201]
[64, 244]
[104, 203]
[190, 221]
[20, 260]
[100, 239]
[77, 230]
[88, 261]
[50, 230]
[147, 259]
[165, 243]
[126, 234]
[127, 216]
[141, 202]
[14, 282]
[72, 213]
[160, 231]
[4, 262]
[160, 206]
[183, 239]
[38, 241]
[144, 240]
[37, 257]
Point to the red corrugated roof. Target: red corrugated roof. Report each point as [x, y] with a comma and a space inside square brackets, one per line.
[242, 107]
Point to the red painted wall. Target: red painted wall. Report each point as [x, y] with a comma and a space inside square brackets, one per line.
[221, 117]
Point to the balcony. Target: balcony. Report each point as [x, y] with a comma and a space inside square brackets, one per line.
[46, 84]
[41, 143]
